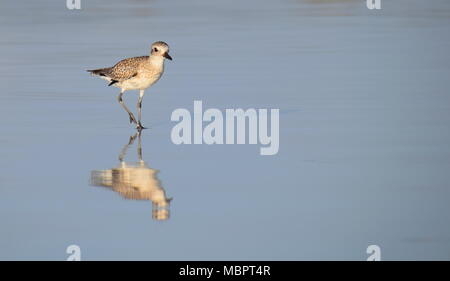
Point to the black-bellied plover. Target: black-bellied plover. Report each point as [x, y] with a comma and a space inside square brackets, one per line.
[136, 73]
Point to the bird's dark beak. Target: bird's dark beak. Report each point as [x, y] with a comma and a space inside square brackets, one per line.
[166, 55]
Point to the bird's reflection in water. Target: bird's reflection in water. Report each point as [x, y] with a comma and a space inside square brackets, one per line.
[135, 181]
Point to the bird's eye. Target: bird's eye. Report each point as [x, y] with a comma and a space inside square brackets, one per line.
[154, 49]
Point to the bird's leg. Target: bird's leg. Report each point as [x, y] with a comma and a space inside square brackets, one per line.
[139, 108]
[132, 118]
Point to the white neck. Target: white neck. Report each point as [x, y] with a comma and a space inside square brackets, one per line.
[156, 60]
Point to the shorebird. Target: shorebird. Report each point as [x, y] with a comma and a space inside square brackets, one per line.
[137, 73]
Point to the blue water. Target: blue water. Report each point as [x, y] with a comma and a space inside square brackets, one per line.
[364, 152]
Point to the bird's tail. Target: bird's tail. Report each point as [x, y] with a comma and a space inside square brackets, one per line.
[100, 71]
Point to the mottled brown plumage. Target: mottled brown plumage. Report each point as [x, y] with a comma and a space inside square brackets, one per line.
[123, 70]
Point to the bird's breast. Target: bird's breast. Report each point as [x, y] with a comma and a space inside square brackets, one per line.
[141, 81]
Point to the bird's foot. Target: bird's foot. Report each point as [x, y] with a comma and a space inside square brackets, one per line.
[139, 126]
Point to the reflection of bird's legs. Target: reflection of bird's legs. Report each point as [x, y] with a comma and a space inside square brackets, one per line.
[123, 152]
[139, 108]
[132, 118]
[139, 148]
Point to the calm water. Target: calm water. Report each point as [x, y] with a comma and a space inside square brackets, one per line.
[364, 131]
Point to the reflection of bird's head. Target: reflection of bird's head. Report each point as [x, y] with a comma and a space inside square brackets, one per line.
[161, 209]
[160, 214]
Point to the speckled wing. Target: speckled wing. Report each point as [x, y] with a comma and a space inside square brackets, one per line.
[126, 69]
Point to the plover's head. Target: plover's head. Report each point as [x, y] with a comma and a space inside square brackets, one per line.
[160, 49]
